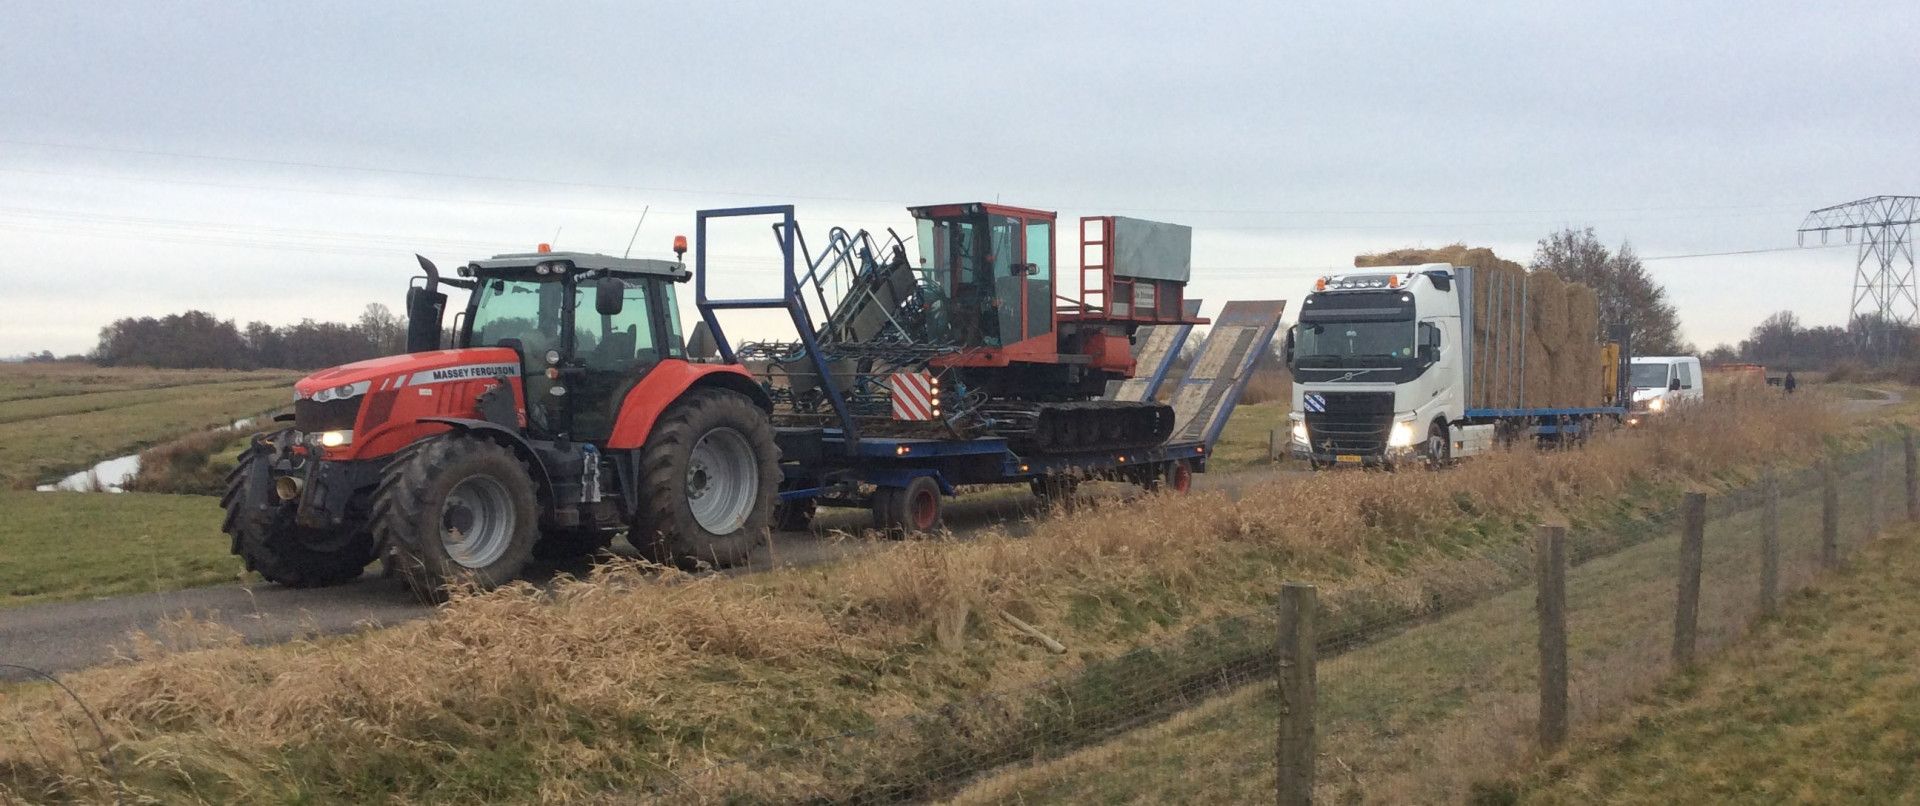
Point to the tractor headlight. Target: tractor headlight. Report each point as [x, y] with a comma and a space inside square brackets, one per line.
[1300, 431]
[1401, 436]
[335, 439]
[1656, 404]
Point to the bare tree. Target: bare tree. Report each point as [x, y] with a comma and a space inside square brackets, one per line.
[1628, 295]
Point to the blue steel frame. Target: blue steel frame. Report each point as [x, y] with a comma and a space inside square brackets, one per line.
[794, 303]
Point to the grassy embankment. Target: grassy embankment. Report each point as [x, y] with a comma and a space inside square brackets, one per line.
[56, 419]
[1821, 705]
[634, 679]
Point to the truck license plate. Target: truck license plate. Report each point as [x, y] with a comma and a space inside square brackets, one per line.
[1348, 459]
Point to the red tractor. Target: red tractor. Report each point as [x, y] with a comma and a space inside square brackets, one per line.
[567, 412]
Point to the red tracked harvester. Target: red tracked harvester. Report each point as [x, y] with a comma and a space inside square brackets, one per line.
[565, 413]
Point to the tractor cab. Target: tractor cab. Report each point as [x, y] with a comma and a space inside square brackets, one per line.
[989, 267]
[585, 326]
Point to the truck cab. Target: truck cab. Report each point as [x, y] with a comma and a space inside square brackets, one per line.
[1378, 373]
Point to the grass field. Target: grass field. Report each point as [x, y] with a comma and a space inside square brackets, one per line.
[56, 419]
[546, 707]
[82, 545]
[1821, 705]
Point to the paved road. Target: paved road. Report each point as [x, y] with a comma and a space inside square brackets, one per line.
[72, 635]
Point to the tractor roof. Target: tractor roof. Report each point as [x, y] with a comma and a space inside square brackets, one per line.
[580, 261]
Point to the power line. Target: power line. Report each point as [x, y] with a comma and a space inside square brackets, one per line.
[814, 197]
[1743, 252]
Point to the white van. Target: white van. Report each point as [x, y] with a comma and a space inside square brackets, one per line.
[1661, 382]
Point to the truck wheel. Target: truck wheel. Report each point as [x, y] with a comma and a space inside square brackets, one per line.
[709, 475]
[273, 545]
[1179, 478]
[571, 544]
[794, 516]
[456, 509]
[1439, 447]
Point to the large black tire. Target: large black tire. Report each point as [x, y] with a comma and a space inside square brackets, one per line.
[456, 510]
[1439, 448]
[795, 516]
[738, 465]
[274, 546]
[572, 544]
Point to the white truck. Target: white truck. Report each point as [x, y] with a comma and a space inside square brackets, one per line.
[1661, 383]
[1428, 363]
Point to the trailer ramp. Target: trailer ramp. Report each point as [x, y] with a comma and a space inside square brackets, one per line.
[1157, 347]
[1206, 396]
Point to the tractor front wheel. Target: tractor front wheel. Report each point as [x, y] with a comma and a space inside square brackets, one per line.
[456, 510]
[709, 475]
[276, 547]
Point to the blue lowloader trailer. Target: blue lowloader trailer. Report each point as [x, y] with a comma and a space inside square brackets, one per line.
[838, 456]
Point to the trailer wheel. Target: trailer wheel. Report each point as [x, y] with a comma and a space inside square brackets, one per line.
[1439, 447]
[1055, 490]
[794, 516]
[709, 475]
[273, 545]
[456, 510]
[915, 508]
[1179, 477]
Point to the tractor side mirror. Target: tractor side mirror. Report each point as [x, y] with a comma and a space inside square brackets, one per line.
[609, 296]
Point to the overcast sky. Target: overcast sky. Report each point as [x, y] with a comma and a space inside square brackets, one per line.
[278, 161]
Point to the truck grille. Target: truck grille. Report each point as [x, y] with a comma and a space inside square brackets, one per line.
[333, 415]
[1351, 422]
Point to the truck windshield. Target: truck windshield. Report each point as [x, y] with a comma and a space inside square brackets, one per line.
[1353, 344]
[1648, 376]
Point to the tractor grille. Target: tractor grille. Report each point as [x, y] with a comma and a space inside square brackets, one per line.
[1352, 422]
[333, 415]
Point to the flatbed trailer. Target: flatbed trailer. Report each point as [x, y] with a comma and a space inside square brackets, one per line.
[904, 479]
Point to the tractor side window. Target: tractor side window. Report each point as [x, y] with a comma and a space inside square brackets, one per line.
[615, 343]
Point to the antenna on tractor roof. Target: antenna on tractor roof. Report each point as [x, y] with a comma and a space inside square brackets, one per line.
[636, 231]
[556, 235]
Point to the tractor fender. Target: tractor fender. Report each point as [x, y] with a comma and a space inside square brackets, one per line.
[509, 437]
[666, 383]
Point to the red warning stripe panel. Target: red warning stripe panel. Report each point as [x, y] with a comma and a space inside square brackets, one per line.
[913, 396]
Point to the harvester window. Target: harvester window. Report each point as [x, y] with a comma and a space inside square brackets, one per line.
[1040, 278]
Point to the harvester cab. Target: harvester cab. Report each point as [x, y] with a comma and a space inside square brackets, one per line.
[564, 413]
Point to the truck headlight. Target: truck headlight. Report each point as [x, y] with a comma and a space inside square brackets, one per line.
[1300, 431]
[335, 439]
[1401, 436]
[1656, 404]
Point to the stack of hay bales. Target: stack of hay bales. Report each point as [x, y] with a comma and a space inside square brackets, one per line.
[1556, 363]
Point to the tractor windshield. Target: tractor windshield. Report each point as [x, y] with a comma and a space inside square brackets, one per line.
[521, 313]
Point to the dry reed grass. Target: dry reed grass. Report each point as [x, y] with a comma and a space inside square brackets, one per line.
[637, 676]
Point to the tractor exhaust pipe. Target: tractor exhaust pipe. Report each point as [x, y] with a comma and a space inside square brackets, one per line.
[425, 306]
[288, 488]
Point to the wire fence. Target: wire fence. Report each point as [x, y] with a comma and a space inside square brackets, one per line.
[1425, 689]
[1424, 694]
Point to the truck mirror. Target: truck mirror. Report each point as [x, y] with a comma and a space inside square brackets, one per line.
[1674, 385]
[1428, 353]
[609, 296]
[1287, 354]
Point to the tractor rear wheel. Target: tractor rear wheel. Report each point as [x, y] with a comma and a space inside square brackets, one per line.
[709, 475]
[276, 547]
[456, 510]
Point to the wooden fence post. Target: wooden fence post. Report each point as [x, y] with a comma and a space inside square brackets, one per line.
[1829, 514]
[1913, 473]
[1297, 692]
[1277, 439]
[1550, 573]
[1770, 543]
[1686, 616]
